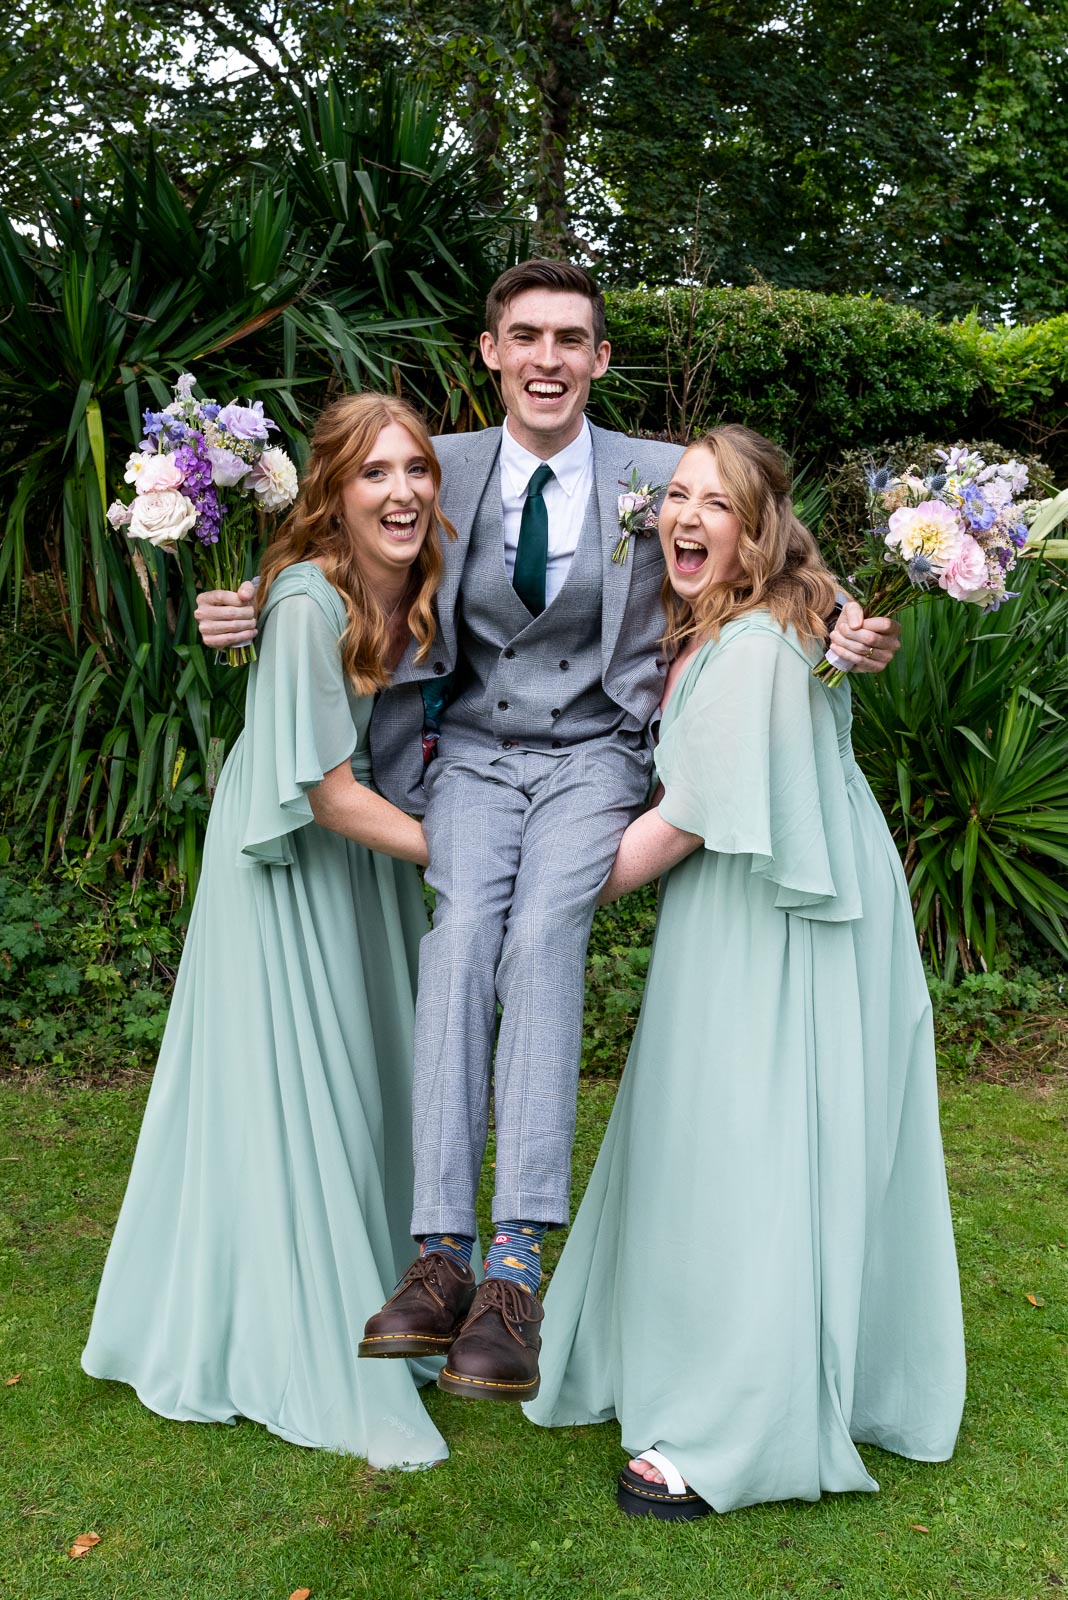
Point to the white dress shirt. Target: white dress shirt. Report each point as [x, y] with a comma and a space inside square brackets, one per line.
[566, 496]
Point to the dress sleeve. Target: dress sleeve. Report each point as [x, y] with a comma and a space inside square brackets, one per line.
[751, 764]
[298, 724]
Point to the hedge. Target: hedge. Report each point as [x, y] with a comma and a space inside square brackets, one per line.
[828, 373]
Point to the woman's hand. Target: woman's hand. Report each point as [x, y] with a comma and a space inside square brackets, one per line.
[225, 618]
[864, 644]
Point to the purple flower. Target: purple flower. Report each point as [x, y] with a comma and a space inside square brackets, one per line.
[980, 514]
[227, 468]
[245, 422]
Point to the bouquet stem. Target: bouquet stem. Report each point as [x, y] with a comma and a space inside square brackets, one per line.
[240, 655]
[829, 673]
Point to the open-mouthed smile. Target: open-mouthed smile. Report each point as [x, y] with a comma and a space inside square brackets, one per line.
[401, 524]
[690, 556]
[545, 388]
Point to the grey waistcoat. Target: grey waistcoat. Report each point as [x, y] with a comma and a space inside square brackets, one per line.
[531, 682]
[626, 606]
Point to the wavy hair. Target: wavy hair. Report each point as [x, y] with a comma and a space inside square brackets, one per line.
[343, 440]
[782, 571]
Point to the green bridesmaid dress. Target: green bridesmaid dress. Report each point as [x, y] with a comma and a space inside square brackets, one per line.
[762, 1270]
[267, 1212]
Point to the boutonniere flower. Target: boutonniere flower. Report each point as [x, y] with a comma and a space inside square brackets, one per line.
[637, 513]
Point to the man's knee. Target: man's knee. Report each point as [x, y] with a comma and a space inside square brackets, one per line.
[537, 930]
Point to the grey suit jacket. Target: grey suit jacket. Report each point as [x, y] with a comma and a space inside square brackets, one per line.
[631, 622]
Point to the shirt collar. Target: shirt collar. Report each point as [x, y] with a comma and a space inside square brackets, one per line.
[568, 466]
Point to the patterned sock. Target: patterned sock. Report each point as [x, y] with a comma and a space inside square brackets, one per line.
[516, 1253]
[457, 1246]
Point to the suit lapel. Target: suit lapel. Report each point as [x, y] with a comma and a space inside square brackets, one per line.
[465, 474]
[613, 458]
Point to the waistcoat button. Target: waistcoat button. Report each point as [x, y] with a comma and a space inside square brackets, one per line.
[558, 744]
[555, 712]
[509, 654]
[439, 667]
[506, 744]
[564, 665]
[502, 705]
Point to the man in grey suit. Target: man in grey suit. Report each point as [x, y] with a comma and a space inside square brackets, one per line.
[543, 759]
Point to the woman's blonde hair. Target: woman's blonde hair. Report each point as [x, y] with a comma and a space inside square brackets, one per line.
[343, 440]
[782, 571]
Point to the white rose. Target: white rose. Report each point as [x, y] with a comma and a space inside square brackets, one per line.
[157, 474]
[118, 514]
[162, 518]
[274, 479]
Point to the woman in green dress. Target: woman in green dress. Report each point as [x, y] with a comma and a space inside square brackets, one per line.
[267, 1211]
[762, 1270]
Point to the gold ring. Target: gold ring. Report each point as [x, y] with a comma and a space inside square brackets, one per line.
[870, 651]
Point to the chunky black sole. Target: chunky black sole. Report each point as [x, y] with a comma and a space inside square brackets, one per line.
[487, 1388]
[638, 1498]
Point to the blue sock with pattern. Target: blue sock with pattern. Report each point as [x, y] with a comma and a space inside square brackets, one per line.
[457, 1246]
[516, 1253]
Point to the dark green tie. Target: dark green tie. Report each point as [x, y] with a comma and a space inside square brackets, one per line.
[532, 551]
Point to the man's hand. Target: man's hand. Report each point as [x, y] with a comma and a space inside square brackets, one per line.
[225, 618]
[863, 644]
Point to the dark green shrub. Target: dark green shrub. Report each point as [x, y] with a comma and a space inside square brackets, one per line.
[616, 965]
[819, 373]
[1006, 1012]
[86, 971]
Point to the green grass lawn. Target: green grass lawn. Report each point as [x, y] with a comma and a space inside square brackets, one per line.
[212, 1513]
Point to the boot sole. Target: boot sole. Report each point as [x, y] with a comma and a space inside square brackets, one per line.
[487, 1388]
[390, 1346]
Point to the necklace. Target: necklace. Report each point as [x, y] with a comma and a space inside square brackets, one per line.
[397, 606]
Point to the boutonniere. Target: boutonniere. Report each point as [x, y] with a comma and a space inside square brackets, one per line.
[637, 513]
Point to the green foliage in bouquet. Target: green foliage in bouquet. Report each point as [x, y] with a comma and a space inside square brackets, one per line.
[965, 742]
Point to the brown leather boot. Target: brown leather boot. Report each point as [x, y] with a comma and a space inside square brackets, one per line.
[495, 1356]
[424, 1313]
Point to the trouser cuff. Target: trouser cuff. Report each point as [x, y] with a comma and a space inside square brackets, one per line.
[519, 1205]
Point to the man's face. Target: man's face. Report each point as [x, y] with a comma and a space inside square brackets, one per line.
[547, 359]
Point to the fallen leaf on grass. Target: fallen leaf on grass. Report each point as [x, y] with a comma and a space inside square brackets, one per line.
[918, 1527]
[82, 1545]
[1036, 1299]
[16, 1377]
[300, 1594]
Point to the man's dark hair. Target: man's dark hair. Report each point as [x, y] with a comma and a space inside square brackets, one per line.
[541, 272]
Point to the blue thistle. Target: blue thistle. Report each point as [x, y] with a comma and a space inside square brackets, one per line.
[920, 571]
[878, 479]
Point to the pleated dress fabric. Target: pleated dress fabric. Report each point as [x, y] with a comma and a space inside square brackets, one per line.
[267, 1211]
[762, 1270]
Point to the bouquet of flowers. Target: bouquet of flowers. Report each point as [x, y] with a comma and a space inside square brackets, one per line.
[210, 473]
[958, 531]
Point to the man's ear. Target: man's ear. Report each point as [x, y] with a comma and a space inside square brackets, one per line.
[601, 359]
[488, 345]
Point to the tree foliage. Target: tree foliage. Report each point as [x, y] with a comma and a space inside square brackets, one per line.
[913, 150]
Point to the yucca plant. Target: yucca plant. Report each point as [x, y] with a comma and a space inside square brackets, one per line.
[98, 316]
[965, 742]
[404, 213]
